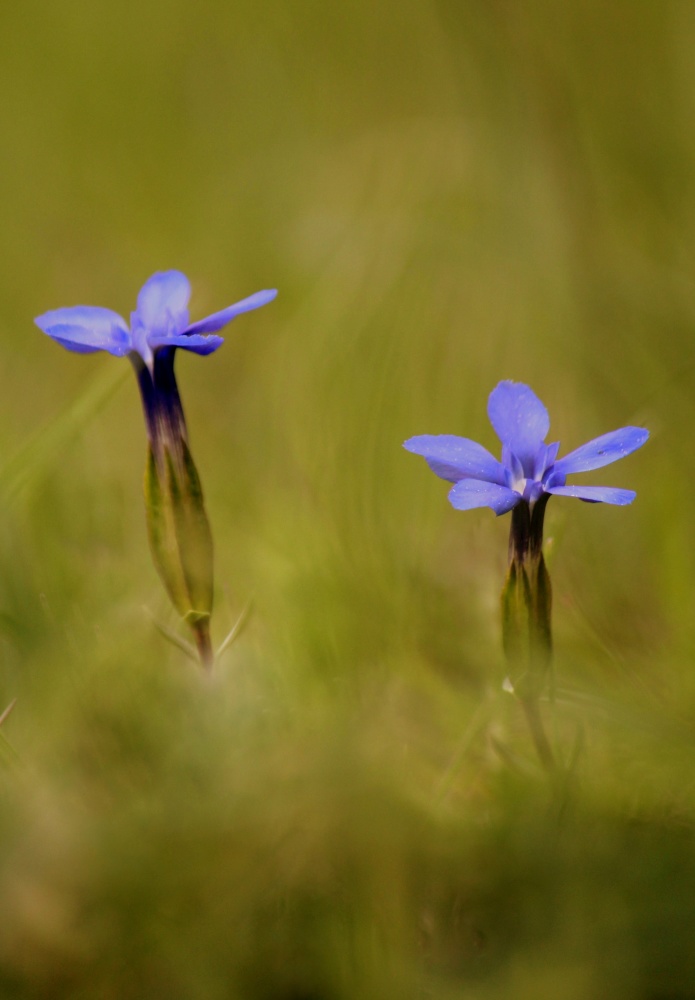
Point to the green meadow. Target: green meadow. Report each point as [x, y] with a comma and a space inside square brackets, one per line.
[446, 193]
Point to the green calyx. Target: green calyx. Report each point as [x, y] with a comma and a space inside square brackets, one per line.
[179, 532]
[527, 603]
[526, 625]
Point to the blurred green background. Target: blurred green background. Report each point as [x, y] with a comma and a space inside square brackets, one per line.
[446, 193]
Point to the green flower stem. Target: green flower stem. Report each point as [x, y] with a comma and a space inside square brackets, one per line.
[526, 619]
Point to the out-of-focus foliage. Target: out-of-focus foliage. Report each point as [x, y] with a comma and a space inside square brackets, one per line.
[446, 193]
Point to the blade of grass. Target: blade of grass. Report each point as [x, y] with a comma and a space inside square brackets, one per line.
[45, 447]
[236, 628]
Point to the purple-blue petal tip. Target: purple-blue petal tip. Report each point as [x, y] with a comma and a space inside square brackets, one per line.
[215, 322]
[85, 329]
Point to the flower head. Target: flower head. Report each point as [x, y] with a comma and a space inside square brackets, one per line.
[529, 467]
[159, 321]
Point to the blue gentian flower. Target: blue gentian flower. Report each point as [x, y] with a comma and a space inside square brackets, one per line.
[530, 468]
[178, 528]
[159, 321]
[528, 474]
[159, 325]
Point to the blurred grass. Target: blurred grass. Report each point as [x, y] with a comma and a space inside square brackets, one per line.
[446, 194]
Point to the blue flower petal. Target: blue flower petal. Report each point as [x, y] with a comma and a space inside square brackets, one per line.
[602, 450]
[545, 458]
[514, 468]
[85, 329]
[553, 478]
[162, 303]
[595, 494]
[454, 458]
[520, 421]
[219, 319]
[197, 343]
[470, 493]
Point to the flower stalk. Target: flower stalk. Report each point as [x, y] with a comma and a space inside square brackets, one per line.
[526, 619]
[177, 524]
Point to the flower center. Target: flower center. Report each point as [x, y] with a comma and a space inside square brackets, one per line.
[519, 485]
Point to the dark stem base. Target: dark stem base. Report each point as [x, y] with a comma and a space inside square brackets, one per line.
[201, 631]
